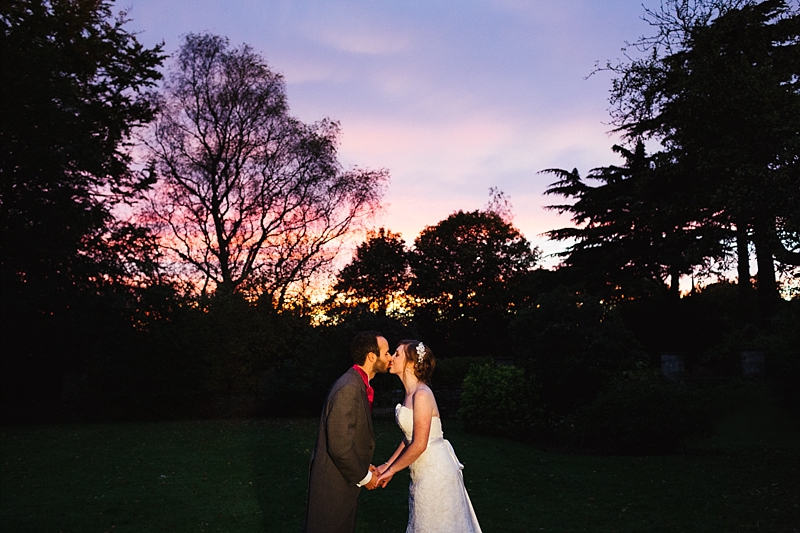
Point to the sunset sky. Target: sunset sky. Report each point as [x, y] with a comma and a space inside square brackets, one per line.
[452, 97]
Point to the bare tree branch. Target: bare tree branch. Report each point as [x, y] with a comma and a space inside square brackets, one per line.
[250, 197]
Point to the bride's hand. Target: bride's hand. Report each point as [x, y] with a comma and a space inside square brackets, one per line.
[384, 479]
[382, 468]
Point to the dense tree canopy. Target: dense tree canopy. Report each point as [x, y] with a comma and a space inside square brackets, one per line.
[378, 275]
[636, 230]
[465, 263]
[463, 270]
[724, 101]
[717, 88]
[74, 87]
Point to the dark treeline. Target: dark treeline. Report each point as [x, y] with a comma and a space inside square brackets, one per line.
[180, 287]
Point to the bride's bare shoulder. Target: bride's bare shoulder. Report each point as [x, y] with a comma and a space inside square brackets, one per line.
[423, 398]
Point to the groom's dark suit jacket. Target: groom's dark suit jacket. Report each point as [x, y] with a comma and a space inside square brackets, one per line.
[341, 457]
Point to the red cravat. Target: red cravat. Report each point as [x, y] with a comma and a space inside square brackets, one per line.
[370, 390]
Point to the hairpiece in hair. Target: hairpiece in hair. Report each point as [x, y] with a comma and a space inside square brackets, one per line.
[420, 352]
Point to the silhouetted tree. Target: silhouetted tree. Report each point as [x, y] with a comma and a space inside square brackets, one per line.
[637, 230]
[719, 89]
[250, 197]
[463, 269]
[573, 346]
[378, 275]
[74, 87]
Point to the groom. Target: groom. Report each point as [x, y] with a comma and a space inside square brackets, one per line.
[340, 462]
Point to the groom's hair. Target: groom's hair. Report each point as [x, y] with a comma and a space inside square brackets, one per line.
[363, 343]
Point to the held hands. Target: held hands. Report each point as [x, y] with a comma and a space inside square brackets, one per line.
[385, 477]
[380, 477]
[373, 482]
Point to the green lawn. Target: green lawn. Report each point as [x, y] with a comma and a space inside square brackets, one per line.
[251, 476]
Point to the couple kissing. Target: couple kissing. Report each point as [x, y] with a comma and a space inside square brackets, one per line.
[341, 463]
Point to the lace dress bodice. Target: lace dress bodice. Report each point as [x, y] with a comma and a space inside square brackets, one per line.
[405, 419]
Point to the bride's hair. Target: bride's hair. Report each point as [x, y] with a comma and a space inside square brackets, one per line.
[424, 368]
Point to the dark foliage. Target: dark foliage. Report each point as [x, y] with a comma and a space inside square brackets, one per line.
[450, 373]
[464, 269]
[641, 417]
[779, 340]
[634, 235]
[377, 276]
[575, 346]
[691, 326]
[724, 102]
[499, 400]
[74, 87]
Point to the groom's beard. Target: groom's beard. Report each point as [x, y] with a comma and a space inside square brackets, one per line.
[380, 366]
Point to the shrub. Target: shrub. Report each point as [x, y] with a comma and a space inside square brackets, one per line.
[779, 339]
[499, 400]
[637, 417]
[781, 342]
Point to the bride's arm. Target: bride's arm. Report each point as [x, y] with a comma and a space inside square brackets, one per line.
[408, 453]
[385, 466]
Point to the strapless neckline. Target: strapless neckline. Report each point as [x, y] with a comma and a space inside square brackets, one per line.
[401, 406]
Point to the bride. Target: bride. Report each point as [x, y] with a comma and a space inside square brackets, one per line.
[437, 499]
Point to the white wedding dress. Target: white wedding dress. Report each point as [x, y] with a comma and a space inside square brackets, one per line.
[437, 499]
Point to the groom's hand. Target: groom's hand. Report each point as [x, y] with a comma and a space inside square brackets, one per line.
[373, 483]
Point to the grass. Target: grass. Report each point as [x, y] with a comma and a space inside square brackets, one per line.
[242, 476]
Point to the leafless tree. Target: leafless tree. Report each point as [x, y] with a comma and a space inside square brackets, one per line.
[249, 198]
[500, 204]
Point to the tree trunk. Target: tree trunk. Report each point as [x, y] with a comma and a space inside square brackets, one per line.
[766, 284]
[225, 288]
[743, 266]
[674, 287]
